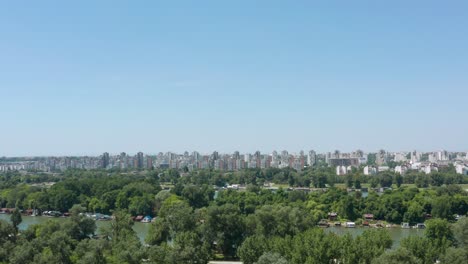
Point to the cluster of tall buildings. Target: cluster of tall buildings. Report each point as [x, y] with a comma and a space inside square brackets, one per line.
[343, 162]
[399, 162]
[190, 161]
[217, 161]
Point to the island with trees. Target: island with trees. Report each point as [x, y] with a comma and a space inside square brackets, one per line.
[271, 216]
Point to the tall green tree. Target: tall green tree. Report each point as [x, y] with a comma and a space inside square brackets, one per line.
[16, 218]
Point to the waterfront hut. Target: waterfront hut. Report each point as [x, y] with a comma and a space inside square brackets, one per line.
[332, 216]
[139, 218]
[28, 211]
[7, 210]
[369, 217]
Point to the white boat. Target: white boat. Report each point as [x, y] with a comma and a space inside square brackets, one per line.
[405, 225]
[350, 224]
[147, 219]
[420, 226]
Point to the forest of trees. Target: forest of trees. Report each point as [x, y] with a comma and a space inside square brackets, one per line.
[256, 225]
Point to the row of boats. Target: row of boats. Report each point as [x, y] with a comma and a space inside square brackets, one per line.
[94, 216]
[325, 223]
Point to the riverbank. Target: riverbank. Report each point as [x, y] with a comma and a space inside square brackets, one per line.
[142, 229]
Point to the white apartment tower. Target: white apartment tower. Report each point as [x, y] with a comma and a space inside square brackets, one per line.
[311, 159]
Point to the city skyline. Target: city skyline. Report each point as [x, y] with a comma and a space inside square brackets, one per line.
[343, 162]
[293, 152]
[87, 77]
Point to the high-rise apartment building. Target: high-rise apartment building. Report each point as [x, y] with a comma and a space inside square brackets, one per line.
[139, 160]
[312, 158]
[105, 160]
[149, 162]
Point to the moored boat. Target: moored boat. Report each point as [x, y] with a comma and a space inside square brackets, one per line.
[147, 219]
[323, 223]
[420, 226]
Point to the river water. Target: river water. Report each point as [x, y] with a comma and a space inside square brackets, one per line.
[142, 229]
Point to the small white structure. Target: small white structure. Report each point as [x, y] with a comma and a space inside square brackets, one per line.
[416, 166]
[369, 170]
[233, 186]
[362, 160]
[461, 169]
[427, 169]
[401, 169]
[350, 224]
[341, 170]
[383, 168]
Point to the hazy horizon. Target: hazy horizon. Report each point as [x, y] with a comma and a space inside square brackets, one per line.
[152, 153]
[112, 76]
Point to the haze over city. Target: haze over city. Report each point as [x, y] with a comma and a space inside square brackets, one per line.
[110, 76]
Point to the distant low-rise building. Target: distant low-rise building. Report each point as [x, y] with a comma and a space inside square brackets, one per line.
[401, 169]
[343, 162]
[383, 168]
[461, 169]
[400, 157]
[428, 168]
[369, 170]
[341, 170]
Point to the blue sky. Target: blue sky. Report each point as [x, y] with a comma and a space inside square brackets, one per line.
[93, 76]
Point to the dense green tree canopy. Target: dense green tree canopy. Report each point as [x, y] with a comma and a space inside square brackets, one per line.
[255, 224]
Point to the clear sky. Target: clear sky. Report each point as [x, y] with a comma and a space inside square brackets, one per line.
[84, 77]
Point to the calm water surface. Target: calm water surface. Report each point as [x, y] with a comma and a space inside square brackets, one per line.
[142, 229]
[396, 233]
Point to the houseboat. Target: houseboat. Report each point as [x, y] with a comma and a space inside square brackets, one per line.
[101, 217]
[52, 213]
[323, 223]
[6, 210]
[147, 219]
[420, 226]
[405, 225]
